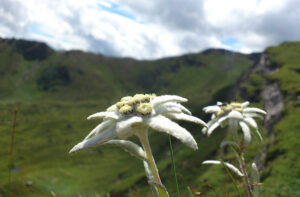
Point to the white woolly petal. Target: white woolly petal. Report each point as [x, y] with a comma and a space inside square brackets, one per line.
[211, 109]
[253, 115]
[103, 125]
[245, 104]
[123, 127]
[246, 131]
[212, 127]
[164, 124]
[182, 116]
[111, 115]
[213, 116]
[130, 147]
[235, 114]
[254, 110]
[250, 121]
[111, 107]
[228, 165]
[219, 103]
[222, 118]
[211, 122]
[95, 140]
[179, 106]
[167, 98]
[165, 108]
[204, 130]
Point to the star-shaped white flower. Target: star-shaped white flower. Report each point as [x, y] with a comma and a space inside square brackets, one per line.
[234, 114]
[142, 110]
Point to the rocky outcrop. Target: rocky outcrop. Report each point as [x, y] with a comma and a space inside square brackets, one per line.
[272, 98]
[273, 101]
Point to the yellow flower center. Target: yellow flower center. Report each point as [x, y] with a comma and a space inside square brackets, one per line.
[139, 103]
[126, 109]
[229, 107]
[145, 108]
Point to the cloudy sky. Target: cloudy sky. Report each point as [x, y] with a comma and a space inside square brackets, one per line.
[149, 29]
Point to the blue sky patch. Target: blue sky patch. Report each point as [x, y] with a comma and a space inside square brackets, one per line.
[37, 30]
[115, 8]
[232, 42]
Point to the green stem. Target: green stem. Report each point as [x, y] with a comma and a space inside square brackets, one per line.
[247, 183]
[142, 133]
[173, 165]
[234, 182]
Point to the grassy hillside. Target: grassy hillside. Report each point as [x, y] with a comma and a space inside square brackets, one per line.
[55, 92]
[280, 170]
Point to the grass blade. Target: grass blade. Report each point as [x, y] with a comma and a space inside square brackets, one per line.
[173, 165]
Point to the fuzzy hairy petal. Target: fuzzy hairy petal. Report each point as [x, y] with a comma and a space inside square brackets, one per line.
[179, 106]
[130, 147]
[164, 124]
[245, 104]
[124, 127]
[99, 139]
[167, 98]
[100, 127]
[111, 115]
[254, 110]
[211, 109]
[246, 131]
[212, 125]
[182, 116]
[253, 115]
[250, 121]
[165, 109]
[235, 114]
[228, 165]
[219, 103]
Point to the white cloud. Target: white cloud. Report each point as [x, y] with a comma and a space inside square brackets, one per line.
[151, 29]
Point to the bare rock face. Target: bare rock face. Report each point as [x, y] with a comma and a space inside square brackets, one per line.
[272, 98]
[274, 104]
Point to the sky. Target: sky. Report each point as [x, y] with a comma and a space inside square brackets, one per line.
[151, 29]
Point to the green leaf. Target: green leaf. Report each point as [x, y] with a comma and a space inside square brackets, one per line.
[255, 180]
[161, 189]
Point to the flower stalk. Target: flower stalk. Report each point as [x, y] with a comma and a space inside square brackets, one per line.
[142, 133]
[246, 178]
[236, 115]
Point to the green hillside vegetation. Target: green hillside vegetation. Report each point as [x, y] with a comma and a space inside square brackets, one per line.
[282, 173]
[55, 91]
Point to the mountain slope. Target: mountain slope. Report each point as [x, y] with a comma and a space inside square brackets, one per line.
[281, 172]
[54, 93]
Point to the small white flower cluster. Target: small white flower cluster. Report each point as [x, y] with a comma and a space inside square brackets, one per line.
[234, 114]
[149, 110]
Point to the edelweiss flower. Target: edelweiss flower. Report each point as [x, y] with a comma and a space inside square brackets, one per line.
[235, 114]
[130, 114]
